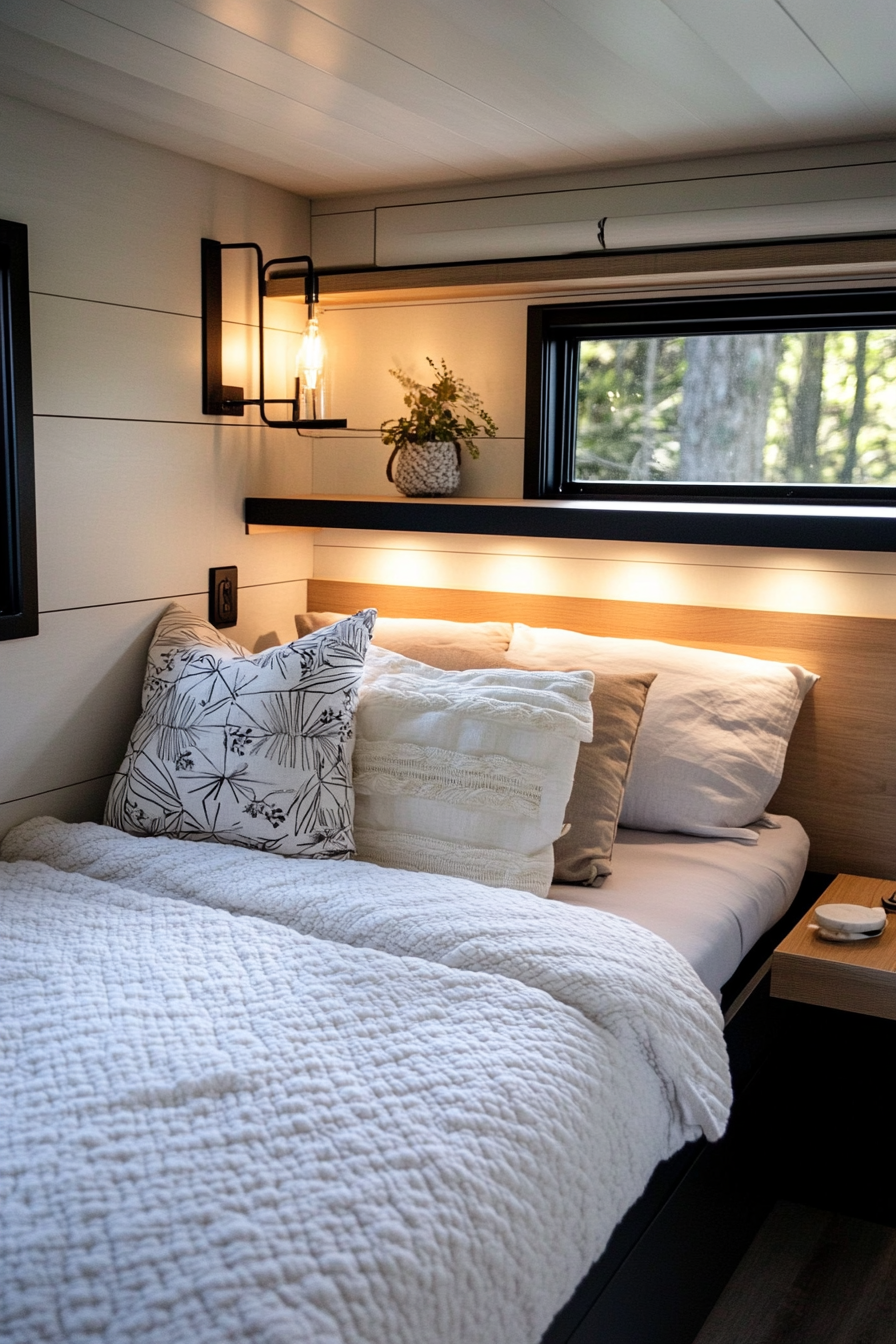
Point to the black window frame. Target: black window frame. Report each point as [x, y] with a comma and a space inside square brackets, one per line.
[554, 333]
[18, 526]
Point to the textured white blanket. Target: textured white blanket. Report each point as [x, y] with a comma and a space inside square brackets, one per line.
[317, 1101]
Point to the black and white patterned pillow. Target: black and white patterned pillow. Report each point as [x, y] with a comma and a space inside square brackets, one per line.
[245, 749]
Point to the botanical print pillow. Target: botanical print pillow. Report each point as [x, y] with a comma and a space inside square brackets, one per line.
[244, 749]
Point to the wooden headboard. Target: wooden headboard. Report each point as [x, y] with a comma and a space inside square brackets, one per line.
[840, 776]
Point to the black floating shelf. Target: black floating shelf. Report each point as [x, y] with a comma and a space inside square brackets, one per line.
[800, 526]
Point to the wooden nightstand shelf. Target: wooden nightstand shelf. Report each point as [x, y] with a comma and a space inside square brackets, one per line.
[854, 977]
[834, 1032]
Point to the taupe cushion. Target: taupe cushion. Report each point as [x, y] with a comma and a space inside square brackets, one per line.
[584, 854]
[454, 646]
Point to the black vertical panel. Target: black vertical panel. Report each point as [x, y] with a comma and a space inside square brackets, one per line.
[538, 452]
[18, 543]
[212, 327]
[552, 369]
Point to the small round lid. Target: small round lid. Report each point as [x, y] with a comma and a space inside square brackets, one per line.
[851, 918]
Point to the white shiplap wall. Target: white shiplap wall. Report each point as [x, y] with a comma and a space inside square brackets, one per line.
[484, 341]
[138, 493]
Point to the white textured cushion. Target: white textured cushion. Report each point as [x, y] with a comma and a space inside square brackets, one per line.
[710, 751]
[466, 773]
[251, 750]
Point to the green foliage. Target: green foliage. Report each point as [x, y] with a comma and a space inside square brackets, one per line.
[876, 440]
[435, 412]
[629, 400]
[622, 412]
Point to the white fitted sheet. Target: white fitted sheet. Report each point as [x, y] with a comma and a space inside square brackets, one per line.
[711, 899]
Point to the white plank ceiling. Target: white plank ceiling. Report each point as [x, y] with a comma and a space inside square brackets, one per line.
[337, 96]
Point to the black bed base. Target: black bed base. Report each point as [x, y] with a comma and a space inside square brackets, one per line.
[673, 1252]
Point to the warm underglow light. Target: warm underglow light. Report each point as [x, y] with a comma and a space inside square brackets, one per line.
[429, 569]
[795, 590]
[512, 573]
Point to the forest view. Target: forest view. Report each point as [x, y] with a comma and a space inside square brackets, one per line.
[793, 407]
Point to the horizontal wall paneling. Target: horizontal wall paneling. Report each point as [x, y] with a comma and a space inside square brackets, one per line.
[69, 699]
[116, 221]
[130, 509]
[74, 802]
[138, 494]
[844, 583]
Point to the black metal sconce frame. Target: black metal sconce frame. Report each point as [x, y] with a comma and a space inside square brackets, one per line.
[218, 399]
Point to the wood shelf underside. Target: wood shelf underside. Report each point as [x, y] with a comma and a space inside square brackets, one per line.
[814, 259]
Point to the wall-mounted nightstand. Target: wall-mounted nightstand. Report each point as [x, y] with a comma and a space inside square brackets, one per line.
[835, 1046]
[854, 977]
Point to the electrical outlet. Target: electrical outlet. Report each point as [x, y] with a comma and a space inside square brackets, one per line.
[222, 596]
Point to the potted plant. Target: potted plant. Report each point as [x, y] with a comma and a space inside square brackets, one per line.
[426, 442]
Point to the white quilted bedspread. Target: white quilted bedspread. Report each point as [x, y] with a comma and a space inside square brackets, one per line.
[251, 1098]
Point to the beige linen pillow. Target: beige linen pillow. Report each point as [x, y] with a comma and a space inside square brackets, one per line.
[454, 646]
[585, 852]
[710, 750]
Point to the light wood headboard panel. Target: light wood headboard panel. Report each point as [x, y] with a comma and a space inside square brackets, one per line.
[840, 776]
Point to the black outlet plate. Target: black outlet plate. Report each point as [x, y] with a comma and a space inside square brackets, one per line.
[223, 591]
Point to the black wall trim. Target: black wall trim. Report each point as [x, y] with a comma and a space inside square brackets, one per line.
[801, 527]
[18, 531]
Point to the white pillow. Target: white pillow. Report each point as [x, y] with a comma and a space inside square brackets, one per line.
[466, 773]
[710, 751]
[251, 750]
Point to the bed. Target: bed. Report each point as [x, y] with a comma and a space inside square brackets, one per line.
[711, 900]
[265, 1102]
[478, 1094]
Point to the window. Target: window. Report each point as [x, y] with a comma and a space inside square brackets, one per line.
[18, 551]
[745, 397]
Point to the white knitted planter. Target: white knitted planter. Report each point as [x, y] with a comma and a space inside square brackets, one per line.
[425, 468]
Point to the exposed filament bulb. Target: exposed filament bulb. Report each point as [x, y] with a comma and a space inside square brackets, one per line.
[310, 369]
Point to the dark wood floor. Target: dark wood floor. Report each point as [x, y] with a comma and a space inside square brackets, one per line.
[810, 1277]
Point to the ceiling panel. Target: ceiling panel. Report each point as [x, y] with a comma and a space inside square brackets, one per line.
[423, 40]
[337, 96]
[424, 101]
[84, 88]
[859, 42]
[762, 44]
[654, 40]
[174, 69]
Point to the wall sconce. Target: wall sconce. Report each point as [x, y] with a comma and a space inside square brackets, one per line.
[219, 399]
